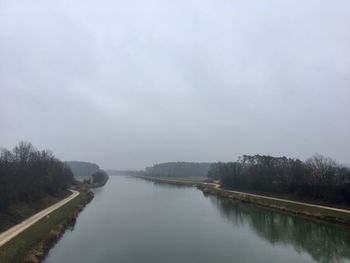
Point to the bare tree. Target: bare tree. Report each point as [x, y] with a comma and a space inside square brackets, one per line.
[323, 168]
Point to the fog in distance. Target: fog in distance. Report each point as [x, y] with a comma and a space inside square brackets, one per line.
[126, 84]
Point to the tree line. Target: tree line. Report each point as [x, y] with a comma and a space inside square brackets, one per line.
[99, 177]
[82, 169]
[178, 169]
[88, 173]
[28, 174]
[317, 179]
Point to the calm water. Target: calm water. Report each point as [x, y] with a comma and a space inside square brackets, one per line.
[132, 220]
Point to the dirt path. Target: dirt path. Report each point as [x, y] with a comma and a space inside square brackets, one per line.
[14, 231]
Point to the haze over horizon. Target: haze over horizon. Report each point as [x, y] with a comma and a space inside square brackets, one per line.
[129, 84]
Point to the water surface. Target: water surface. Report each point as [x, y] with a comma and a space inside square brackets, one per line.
[132, 220]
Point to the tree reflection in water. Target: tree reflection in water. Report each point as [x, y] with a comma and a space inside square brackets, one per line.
[324, 242]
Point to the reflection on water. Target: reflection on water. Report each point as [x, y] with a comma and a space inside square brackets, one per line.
[132, 220]
[164, 185]
[324, 242]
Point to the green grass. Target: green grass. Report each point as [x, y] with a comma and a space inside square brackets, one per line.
[15, 250]
[18, 212]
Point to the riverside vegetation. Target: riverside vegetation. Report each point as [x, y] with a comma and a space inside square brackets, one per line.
[33, 244]
[88, 173]
[318, 180]
[28, 175]
[31, 180]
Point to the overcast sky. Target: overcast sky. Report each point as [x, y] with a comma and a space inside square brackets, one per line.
[127, 84]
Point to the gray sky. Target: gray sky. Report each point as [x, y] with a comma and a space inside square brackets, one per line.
[127, 84]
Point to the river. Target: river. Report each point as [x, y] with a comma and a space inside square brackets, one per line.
[133, 220]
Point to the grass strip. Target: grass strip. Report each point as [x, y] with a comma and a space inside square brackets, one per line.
[16, 249]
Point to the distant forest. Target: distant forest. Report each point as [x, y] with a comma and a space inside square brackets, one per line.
[88, 172]
[317, 179]
[179, 169]
[126, 172]
[82, 169]
[28, 174]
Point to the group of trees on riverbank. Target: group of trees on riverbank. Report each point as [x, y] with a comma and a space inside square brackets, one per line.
[88, 173]
[178, 169]
[317, 179]
[28, 174]
[99, 177]
[82, 169]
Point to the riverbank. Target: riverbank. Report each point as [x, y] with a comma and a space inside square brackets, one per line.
[329, 214]
[99, 184]
[174, 181]
[20, 211]
[32, 244]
